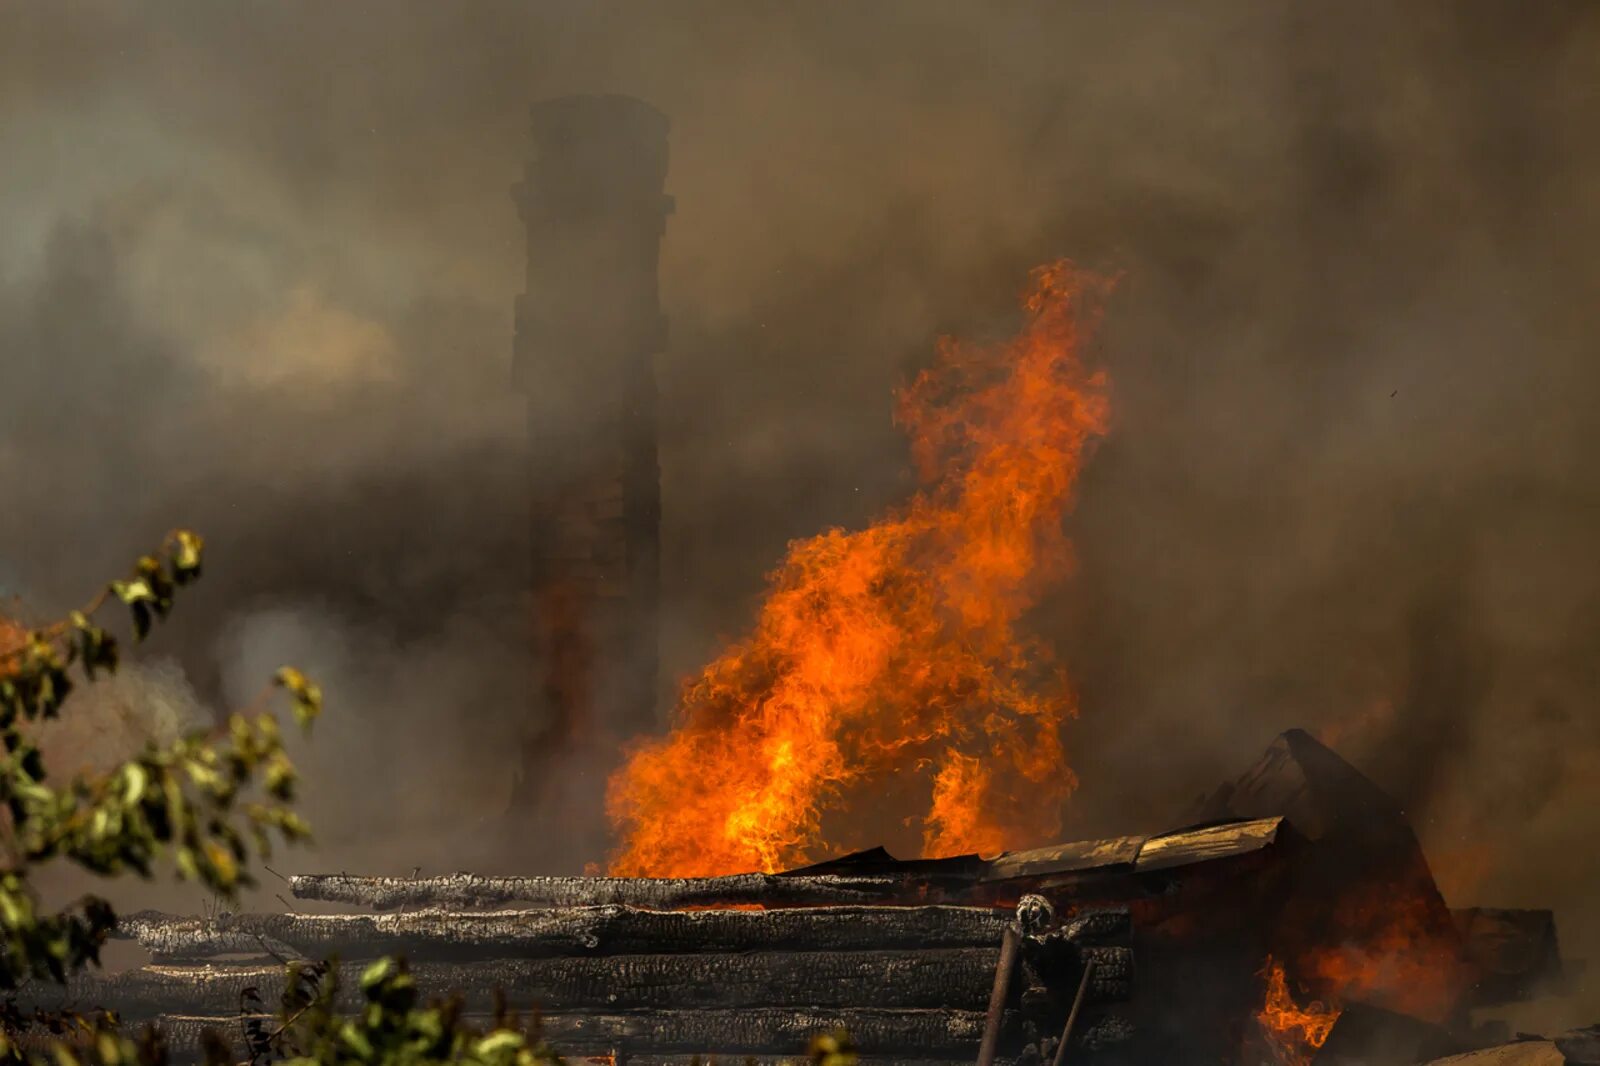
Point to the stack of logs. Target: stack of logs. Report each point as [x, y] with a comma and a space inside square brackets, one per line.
[908, 983]
[659, 982]
[902, 955]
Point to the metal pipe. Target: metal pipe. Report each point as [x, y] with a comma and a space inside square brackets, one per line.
[1010, 949]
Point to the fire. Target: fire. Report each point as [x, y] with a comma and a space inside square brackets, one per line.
[1293, 1032]
[895, 649]
[1391, 952]
[1390, 945]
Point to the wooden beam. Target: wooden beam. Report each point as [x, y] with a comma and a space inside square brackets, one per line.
[1000, 991]
[467, 891]
[898, 1036]
[956, 978]
[608, 930]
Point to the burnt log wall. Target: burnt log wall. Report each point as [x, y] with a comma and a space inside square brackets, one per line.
[909, 983]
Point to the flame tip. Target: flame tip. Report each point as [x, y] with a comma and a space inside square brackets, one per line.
[895, 648]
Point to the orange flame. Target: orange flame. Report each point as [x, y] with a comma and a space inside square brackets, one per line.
[1393, 952]
[1293, 1032]
[895, 647]
[1391, 945]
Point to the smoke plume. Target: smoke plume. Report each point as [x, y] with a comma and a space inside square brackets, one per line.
[258, 275]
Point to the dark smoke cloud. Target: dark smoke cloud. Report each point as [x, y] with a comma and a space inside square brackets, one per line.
[258, 272]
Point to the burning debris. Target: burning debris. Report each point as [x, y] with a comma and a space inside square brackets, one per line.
[1230, 941]
[1293, 919]
[1293, 1032]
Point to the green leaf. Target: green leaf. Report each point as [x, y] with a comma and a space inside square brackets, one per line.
[132, 592]
[184, 554]
[135, 778]
[279, 778]
[305, 694]
[96, 647]
[357, 1041]
[376, 974]
[500, 1042]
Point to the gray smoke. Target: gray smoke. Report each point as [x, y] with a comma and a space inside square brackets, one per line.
[258, 273]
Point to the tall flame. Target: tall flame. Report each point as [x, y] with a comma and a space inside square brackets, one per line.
[895, 648]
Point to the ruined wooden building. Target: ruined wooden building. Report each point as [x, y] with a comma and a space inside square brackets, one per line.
[904, 954]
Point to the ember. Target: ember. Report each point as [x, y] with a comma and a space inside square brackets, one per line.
[894, 648]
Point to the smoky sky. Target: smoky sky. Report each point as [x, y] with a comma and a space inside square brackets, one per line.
[257, 266]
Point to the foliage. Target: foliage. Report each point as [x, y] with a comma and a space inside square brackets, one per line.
[391, 1029]
[209, 801]
[212, 802]
[195, 798]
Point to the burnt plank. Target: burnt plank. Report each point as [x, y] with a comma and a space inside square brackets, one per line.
[467, 891]
[898, 1036]
[543, 933]
[956, 978]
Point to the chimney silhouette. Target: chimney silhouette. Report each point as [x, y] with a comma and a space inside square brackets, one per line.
[588, 326]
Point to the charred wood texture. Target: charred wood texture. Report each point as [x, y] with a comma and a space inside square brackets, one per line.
[609, 930]
[770, 1036]
[468, 891]
[900, 1036]
[170, 938]
[1005, 972]
[1053, 870]
[951, 978]
[909, 977]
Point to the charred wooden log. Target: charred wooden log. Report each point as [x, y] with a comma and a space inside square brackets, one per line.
[884, 882]
[669, 1037]
[954, 978]
[467, 891]
[169, 938]
[1000, 994]
[608, 930]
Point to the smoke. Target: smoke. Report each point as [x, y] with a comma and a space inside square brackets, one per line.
[114, 719]
[258, 279]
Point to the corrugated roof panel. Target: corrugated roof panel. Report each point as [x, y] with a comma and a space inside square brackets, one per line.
[1205, 844]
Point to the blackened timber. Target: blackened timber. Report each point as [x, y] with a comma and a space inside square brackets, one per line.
[607, 930]
[955, 978]
[900, 1036]
[994, 1017]
[470, 890]
[171, 938]
[920, 882]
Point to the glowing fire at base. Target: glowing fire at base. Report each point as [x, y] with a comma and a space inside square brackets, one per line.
[1293, 1033]
[894, 649]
